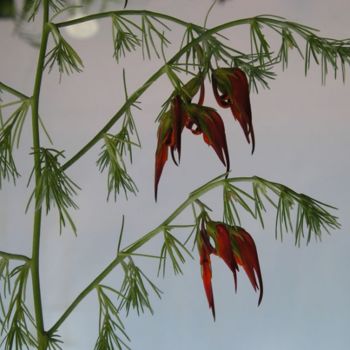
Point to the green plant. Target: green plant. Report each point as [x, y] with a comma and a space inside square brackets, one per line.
[203, 54]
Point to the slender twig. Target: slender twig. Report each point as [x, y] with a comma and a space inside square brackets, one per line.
[13, 91]
[124, 13]
[136, 245]
[208, 13]
[219, 181]
[12, 256]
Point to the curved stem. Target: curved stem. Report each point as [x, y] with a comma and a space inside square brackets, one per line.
[41, 336]
[12, 256]
[208, 13]
[303, 30]
[13, 91]
[124, 13]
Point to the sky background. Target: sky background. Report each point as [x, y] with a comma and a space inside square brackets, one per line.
[302, 140]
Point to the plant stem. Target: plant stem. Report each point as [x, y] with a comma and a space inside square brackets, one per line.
[124, 13]
[13, 91]
[35, 263]
[12, 256]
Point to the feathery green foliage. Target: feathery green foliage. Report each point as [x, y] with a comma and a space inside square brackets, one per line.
[18, 323]
[134, 289]
[111, 327]
[55, 187]
[174, 250]
[63, 55]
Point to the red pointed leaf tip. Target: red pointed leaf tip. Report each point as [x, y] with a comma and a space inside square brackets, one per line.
[205, 249]
[206, 121]
[201, 94]
[224, 249]
[246, 255]
[164, 136]
[178, 125]
[235, 247]
[231, 89]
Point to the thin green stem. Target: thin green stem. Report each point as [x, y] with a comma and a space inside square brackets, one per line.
[302, 30]
[9, 104]
[41, 336]
[208, 13]
[132, 99]
[123, 13]
[12, 256]
[13, 91]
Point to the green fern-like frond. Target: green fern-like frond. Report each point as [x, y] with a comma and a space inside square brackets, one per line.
[55, 188]
[111, 333]
[135, 289]
[124, 38]
[8, 169]
[18, 321]
[153, 36]
[174, 250]
[111, 158]
[62, 54]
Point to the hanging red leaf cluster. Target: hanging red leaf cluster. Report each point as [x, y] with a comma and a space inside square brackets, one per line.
[235, 247]
[231, 90]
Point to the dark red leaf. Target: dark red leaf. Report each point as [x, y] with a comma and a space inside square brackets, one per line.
[161, 157]
[205, 249]
[208, 122]
[224, 249]
[247, 257]
[240, 103]
[231, 89]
